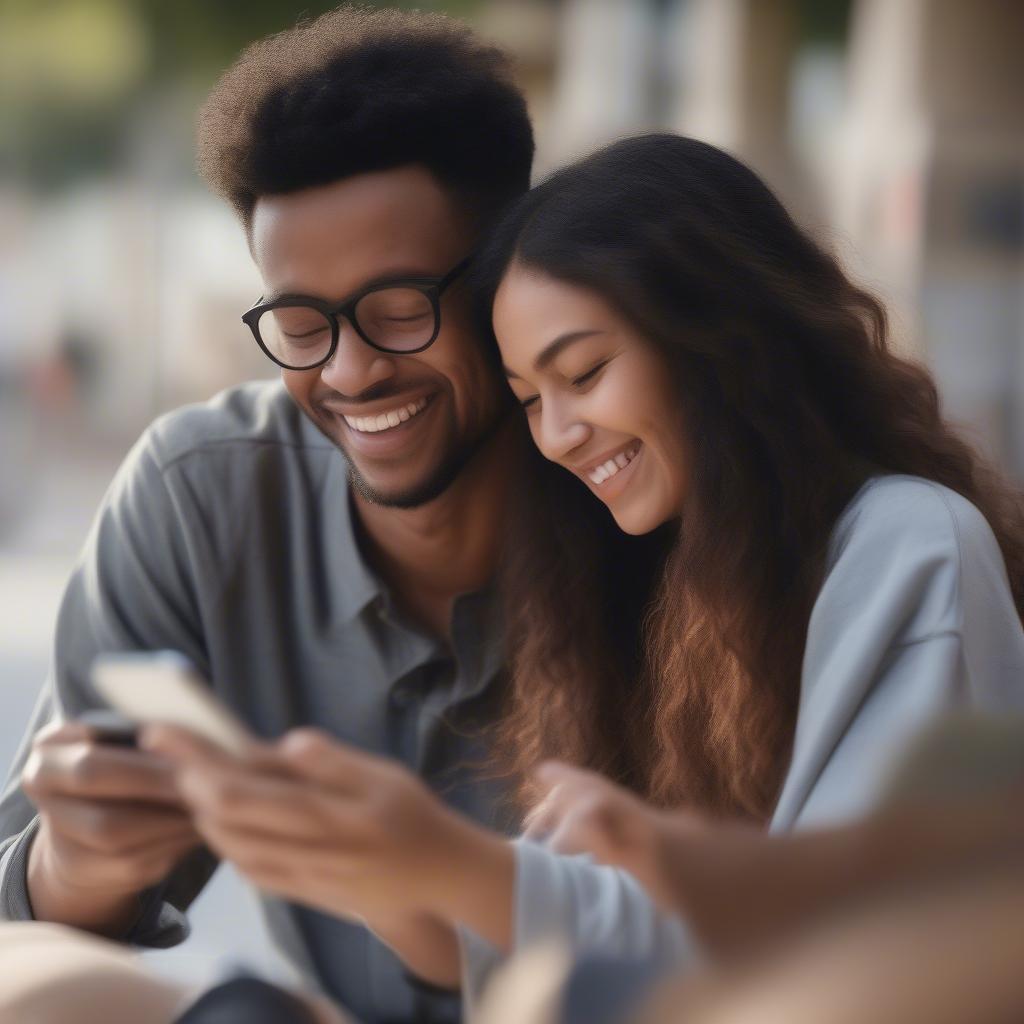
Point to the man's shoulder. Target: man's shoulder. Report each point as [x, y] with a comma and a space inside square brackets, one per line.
[251, 416]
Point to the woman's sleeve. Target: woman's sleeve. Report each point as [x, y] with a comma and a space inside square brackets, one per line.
[915, 621]
[585, 907]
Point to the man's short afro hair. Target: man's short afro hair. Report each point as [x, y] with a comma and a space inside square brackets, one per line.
[359, 90]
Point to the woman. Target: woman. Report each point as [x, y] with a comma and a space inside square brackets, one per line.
[803, 565]
[748, 388]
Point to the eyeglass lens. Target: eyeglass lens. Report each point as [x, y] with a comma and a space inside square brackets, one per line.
[396, 319]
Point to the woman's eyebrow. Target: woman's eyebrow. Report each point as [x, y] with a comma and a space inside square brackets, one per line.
[552, 351]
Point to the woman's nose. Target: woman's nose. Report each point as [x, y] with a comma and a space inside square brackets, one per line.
[560, 431]
[355, 366]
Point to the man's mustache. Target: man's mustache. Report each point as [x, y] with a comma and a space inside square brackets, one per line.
[376, 393]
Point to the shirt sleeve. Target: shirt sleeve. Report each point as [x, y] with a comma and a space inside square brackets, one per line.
[915, 622]
[130, 590]
[587, 908]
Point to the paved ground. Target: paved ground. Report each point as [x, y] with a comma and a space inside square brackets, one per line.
[37, 551]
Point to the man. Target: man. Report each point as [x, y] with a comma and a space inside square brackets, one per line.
[320, 550]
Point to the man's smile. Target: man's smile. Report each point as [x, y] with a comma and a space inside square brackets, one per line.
[392, 429]
[387, 420]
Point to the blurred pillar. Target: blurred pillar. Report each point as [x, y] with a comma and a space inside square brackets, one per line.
[733, 74]
[603, 84]
[929, 189]
[528, 29]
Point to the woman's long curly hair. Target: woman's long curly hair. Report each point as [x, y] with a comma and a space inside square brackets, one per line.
[671, 662]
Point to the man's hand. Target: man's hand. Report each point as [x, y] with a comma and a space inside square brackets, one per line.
[111, 825]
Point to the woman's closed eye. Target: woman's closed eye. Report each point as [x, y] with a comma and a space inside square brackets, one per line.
[591, 374]
[578, 383]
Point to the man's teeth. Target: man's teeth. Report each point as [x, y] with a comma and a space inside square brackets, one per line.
[608, 469]
[386, 420]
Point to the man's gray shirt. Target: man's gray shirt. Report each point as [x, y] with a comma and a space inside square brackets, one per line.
[228, 535]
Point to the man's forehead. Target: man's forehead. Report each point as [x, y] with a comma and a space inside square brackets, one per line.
[334, 238]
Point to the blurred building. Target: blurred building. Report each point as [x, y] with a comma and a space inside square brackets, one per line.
[892, 128]
[930, 188]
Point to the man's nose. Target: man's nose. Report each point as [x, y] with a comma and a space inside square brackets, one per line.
[560, 431]
[355, 366]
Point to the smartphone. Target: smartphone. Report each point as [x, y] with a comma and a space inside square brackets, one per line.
[163, 687]
[110, 727]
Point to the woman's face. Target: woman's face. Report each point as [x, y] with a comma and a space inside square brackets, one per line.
[598, 396]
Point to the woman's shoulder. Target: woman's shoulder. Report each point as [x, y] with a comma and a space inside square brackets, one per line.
[896, 511]
[922, 543]
[914, 619]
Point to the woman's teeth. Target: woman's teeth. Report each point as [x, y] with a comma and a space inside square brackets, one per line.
[386, 420]
[608, 469]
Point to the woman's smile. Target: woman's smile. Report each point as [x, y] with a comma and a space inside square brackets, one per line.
[604, 468]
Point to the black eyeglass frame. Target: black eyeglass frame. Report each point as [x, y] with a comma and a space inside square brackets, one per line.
[432, 287]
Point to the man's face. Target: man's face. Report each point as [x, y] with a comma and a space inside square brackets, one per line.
[327, 243]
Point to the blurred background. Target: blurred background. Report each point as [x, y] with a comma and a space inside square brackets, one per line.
[894, 130]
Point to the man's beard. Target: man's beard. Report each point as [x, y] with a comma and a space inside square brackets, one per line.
[433, 487]
[451, 467]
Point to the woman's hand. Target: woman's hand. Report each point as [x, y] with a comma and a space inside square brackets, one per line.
[318, 822]
[349, 833]
[731, 881]
[582, 812]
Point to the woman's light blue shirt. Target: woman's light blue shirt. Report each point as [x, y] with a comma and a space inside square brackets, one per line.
[915, 620]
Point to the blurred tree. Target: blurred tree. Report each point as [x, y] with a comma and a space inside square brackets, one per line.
[76, 75]
[825, 21]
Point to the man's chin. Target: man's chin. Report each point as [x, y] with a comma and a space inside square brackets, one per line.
[431, 483]
[413, 495]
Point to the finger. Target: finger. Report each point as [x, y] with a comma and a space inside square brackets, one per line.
[319, 877]
[256, 851]
[544, 815]
[64, 731]
[573, 790]
[315, 755]
[549, 774]
[267, 803]
[183, 746]
[98, 771]
[317, 874]
[178, 744]
[562, 788]
[613, 827]
[123, 828]
[583, 830]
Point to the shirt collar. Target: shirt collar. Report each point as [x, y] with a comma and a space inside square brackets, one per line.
[477, 639]
[351, 584]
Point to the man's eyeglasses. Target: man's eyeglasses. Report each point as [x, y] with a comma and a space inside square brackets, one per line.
[401, 316]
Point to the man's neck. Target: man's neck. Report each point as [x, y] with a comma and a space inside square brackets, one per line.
[430, 555]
